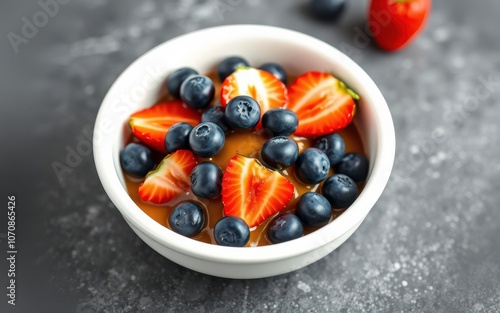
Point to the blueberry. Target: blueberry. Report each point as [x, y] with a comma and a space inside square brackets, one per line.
[353, 165]
[229, 65]
[206, 139]
[280, 122]
[313, 209]
[177, 137]
[187, 219]
[215, 114]
[340, 190]
[312, 166]
[242, 112]
[176, 78]
[279, 152]
[284, 228]
[206, 180]
[277, 70]
[328, 10]
[197, 91]
[231, 231]
[332, 145]
[137, 159]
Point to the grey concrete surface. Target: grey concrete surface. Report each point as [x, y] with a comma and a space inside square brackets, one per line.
[431, 244]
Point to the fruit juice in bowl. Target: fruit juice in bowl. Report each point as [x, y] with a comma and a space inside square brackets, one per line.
[273, 144]
[244, 166]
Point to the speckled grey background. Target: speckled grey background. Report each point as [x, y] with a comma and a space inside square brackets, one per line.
[431, 244]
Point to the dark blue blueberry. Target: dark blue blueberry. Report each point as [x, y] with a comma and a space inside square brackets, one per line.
[279, 152]
[197, 91]
[137, 159]
[231, 231]
[187, 219]
[284, 228]
[176, 78]
[332, 145]
[177, 137]
[280, 122]
[353, 165]
[328, 10]
[312, 166]
[215, 114]
[206, 139]
[277, 70]
[340, 190]
[242, 112]
[229, 65]
[313, 209]
[206, 180]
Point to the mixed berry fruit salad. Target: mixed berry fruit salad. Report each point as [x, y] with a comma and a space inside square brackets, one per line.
[246, 156]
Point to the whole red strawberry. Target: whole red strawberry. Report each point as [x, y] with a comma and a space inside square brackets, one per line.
[396, 23]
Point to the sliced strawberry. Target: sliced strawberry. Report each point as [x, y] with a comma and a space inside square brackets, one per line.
[253, 192]
[151, 125]
[322, 103]
[169, 179]
[264, 87]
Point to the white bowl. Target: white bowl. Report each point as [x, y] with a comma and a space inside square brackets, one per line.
[141, 83]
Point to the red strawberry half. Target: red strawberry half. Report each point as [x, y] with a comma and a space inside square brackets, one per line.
[151, 125]
[253, 192]
[264, 87]
[322, 103]
[169, 179]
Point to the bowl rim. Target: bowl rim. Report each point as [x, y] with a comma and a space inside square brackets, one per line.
[382, 167]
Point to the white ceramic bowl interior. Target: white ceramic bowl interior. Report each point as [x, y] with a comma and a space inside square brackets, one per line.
[139, 86]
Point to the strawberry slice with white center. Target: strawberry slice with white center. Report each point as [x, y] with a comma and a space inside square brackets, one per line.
[170, 178]
[151, 125]
[322, 103]
[253, 192]
[264, 87]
